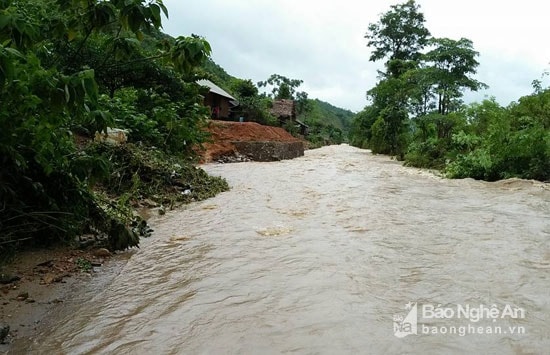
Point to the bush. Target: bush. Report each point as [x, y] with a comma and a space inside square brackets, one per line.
[427, 154]
[378, 142]
[124, 111]
[477, 164]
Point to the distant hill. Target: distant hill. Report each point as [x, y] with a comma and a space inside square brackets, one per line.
[218, 75]
[323, 112]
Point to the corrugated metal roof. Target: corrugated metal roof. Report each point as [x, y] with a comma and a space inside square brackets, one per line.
[215, 88]
[301, 123]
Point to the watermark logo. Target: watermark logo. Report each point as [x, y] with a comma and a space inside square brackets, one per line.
[407, 325]
[478, 319]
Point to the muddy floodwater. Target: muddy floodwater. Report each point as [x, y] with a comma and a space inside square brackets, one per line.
[337, 252]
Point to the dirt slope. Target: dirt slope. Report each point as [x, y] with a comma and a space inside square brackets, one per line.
[224, 133]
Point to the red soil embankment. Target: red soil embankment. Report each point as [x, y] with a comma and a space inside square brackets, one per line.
[224, 133]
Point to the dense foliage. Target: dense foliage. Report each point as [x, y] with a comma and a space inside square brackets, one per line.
[494, 142]
[252, 106]
[71, 68]
[416, 112]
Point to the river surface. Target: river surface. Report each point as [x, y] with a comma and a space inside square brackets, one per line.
[321, 255]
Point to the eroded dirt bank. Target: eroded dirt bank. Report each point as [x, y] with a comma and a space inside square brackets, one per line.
[36, 283]
[237, 141]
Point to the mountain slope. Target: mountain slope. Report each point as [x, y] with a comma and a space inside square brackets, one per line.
[325, 113]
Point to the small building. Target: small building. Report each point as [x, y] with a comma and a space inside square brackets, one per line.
[220, 102]
[284, 110]
[302, 128]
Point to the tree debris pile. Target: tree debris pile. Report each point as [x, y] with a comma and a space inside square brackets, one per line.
[138, 174]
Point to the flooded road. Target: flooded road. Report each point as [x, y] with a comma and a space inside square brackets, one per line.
[321, 255]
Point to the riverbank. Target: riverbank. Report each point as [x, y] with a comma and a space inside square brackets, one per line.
[37, 282]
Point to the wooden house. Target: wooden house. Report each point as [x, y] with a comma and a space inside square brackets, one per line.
[220, 102]
[285, 111]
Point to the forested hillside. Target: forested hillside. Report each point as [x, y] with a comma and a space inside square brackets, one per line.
[325, 112]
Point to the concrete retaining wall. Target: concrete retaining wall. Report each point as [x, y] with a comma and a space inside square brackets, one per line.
[270, 151]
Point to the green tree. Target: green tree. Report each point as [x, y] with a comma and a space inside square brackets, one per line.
[244, 88]
[422, 96]
[399, 34]
[252, 106]
[282, 87]
[303, 104]
[361, 128]
[416, 83]
[450, 65]
[390, 100]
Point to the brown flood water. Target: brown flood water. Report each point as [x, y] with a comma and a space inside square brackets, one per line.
[316, 256]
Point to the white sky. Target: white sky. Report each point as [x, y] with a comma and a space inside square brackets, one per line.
[321, 41]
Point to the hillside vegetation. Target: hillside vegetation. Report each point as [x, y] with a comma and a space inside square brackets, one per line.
[416, 110]
[70, 69]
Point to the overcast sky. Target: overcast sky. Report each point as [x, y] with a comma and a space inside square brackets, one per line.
[322, 42]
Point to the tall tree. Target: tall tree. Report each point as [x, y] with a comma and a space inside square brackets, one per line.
[399, 34]
[450, 64]
[390, 97]
[244, 88]
[252, 106]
